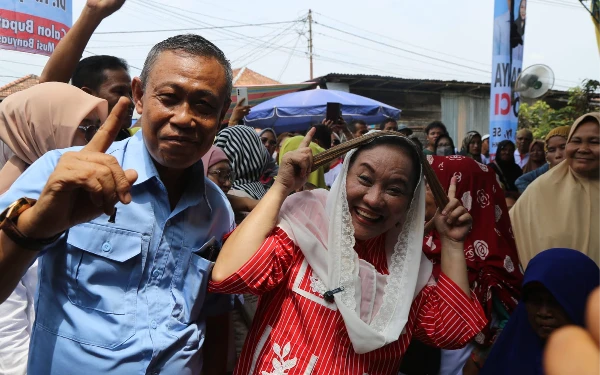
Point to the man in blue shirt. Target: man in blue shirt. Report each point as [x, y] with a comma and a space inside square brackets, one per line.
[129, 229]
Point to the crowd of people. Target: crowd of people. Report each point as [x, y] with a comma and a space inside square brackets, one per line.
[188, 244]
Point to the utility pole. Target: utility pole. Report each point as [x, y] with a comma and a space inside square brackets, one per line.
[310, 42]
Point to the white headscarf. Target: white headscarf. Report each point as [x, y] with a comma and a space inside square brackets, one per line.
[374, 306]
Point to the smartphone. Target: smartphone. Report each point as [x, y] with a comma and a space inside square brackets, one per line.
[334, 112]
[242, 93]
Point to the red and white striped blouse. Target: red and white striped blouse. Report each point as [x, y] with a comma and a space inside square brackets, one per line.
[295, 331]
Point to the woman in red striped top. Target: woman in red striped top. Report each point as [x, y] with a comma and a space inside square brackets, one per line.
[344, 285]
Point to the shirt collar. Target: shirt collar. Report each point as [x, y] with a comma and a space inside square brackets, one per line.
[195, 190]
[138, 158]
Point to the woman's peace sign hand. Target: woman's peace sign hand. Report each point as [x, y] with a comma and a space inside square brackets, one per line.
[296, 165]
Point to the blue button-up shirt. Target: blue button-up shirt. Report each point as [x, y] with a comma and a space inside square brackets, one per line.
[128, 297]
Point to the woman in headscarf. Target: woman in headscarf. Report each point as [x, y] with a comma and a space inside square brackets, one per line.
[268, 137]
[46, 117]
[248, 157]
[561, 208]
[556, 287]
[344, 284]
[490, 249]
[536, 156]
[554, 146]
[316, 178]
[471, 146]
[444, 145]
[42, 118]
[505, 166]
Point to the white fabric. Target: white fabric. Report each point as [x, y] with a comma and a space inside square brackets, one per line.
[519, 161]
[374, 306]
[17, 315]
[332, 174]
[453, 361]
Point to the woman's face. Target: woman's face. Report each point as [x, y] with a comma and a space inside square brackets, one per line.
[475, 145]
[268, 139]
[523, 9]
[444, 147]
[583, 150]
[507, 152]
[86, 130]
[537, 153]
[556, 150]
[544, 313]
[220, 174]
[379, 187]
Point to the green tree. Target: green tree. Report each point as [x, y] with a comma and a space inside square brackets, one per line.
[540, 118]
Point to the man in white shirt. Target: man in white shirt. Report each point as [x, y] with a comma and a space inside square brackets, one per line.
[524, 139]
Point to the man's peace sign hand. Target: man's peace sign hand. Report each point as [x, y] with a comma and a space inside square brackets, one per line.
[84, 184]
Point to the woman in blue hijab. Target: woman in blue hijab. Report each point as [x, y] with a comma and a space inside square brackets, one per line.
[556, 287]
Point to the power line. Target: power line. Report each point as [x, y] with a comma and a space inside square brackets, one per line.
[401, 41]
[196, 28]
[290, 55]
[400, 49]
[397, 55]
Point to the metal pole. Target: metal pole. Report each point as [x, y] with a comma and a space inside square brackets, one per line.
[310, 42]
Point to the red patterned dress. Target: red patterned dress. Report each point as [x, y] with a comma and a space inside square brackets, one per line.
[295, 331]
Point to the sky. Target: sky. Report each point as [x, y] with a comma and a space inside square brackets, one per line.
[434, 39]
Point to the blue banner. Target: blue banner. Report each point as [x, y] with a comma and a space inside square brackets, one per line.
[34, 26]
[507, 61]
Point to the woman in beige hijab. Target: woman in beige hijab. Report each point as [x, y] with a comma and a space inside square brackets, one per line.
[32, 122]
[42, 118]
[560, 208]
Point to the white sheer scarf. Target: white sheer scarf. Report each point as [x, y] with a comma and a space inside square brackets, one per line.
[375, 307]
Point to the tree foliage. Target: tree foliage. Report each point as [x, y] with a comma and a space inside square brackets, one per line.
[540, 118]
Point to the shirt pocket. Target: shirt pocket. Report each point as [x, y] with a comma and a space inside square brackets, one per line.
[105, 268]
[190, 283]
[102, 271]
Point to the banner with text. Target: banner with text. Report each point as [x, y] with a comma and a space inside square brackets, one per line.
[507, 61]
[34, 26]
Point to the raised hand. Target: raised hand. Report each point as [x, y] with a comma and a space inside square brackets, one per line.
[295, 165]
[84, 184]
[104, 8]
[573, 350]
[239, 111]
[454, 222]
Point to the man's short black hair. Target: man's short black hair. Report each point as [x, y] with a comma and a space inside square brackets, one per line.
[322, 136]
[436, 124]
[382, 125]
[189, 44]
[90, 71]
[352, 125]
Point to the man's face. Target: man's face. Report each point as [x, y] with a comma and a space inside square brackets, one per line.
[117, 83]
[523, 143]
[182, 105]
[485, 146]
[390, 126]
[360, 129]
[433, 135]
[556, 150]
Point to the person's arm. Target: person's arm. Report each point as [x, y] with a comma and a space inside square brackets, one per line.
[453, 224]
[63, 61]
[243, 243]
[83, 186]
[239, 111]
[242, 204]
